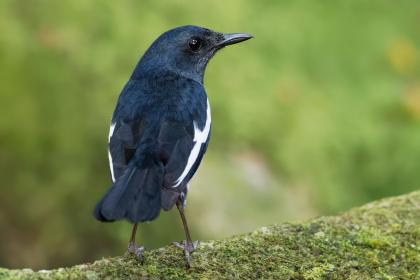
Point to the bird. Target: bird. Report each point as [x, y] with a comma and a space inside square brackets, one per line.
[160, 130]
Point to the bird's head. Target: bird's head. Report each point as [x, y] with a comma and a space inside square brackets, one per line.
[186, 51]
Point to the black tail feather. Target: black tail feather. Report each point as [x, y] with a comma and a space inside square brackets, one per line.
[135, 196]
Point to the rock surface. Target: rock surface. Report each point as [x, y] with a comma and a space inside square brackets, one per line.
[380, 240]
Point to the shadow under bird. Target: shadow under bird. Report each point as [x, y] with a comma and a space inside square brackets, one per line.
[160, 130]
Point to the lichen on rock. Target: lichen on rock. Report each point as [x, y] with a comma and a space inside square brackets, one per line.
[380, 240]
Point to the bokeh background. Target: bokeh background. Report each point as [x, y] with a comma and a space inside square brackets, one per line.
[317, 114]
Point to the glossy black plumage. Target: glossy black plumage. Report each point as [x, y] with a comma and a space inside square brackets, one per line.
[161, 126]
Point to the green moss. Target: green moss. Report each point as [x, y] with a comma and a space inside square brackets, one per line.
[378, 241]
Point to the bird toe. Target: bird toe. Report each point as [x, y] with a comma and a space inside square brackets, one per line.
[136, 250]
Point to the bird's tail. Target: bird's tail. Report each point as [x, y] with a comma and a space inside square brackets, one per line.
[135, 195]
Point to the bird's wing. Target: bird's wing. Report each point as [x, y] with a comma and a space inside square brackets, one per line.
[123, 139]
[183, 147]
[127, 128]
[176, 142]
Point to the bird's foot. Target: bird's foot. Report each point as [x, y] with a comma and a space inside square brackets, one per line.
[135, 250]
[188, 248]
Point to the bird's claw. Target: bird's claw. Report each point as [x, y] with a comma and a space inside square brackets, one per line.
[136, 251]
[188, 248]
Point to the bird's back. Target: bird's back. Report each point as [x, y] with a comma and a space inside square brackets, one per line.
[155, 123]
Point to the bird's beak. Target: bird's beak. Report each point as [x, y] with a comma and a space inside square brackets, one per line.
[230, 39]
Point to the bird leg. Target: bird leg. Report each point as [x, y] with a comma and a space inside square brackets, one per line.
[187, 245]
[133, 248]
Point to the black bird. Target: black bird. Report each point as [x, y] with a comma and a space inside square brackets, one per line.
[160, 129]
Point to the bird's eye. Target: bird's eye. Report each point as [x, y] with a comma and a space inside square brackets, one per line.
[195, 44]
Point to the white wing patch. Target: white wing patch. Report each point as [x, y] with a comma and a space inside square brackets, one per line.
[200, 137]
[111, 165]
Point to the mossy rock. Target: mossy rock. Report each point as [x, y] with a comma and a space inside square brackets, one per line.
[380, 240]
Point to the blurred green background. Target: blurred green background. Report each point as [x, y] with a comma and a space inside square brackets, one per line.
[317, 114]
